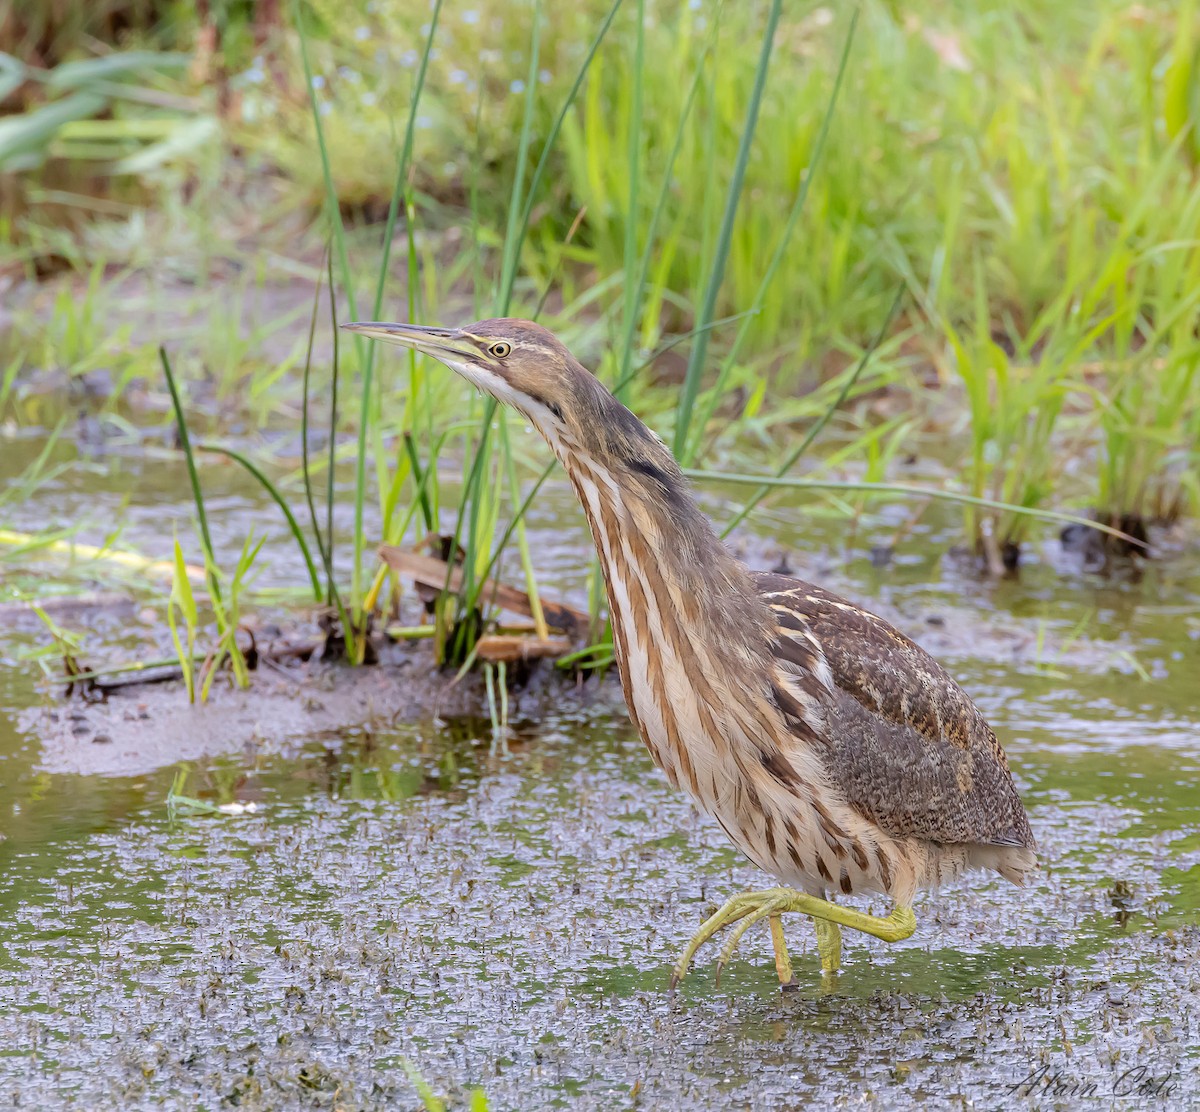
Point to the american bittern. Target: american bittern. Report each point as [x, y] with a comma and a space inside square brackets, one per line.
[834, 752]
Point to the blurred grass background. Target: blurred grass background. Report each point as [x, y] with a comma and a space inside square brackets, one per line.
[1026, 172]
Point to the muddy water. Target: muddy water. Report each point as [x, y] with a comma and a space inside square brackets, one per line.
[504, 916]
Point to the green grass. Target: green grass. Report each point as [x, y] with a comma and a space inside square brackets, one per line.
[225, 603]
[751, 182]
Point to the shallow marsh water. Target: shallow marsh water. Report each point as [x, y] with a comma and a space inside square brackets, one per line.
[505, 915]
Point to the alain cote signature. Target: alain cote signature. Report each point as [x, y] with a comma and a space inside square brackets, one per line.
[1138, 1081]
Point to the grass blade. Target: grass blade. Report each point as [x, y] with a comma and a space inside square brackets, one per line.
[322, 548]
[633, 290]
[695, 367]
[193, 476]
[774, 481]
[273, 491]
[780, 247]
[825, 418]
[333, 423]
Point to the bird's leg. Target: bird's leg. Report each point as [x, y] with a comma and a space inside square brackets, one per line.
[829, 945]
[890, 928]
[783, 963]
[771, 903]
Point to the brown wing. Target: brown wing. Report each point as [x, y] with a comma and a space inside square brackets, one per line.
[900, 738]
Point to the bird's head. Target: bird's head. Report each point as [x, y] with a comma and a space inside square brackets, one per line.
[517, 362]
[525, 366]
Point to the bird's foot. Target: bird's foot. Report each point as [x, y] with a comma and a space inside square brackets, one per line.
[752, 907]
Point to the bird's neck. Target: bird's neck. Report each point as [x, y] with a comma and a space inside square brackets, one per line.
[670, 580]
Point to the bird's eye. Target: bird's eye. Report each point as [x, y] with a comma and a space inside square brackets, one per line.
[500, 349]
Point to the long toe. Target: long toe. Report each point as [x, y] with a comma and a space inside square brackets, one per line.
[749, 905]
[735, 935]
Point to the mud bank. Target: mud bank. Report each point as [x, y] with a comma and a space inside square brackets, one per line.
[143, 727]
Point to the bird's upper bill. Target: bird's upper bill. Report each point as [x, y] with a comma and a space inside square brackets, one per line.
[446, 344]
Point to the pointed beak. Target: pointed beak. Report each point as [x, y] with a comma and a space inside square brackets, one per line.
[441, 343]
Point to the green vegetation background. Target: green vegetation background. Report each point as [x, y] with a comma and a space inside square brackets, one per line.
[682, 189]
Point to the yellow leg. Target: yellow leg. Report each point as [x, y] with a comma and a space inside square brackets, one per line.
[783, 963]
[829, 945]
[772, 902]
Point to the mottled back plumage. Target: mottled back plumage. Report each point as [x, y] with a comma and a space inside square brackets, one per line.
[898, 718]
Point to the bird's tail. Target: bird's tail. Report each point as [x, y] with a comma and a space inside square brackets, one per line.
[1015, 863]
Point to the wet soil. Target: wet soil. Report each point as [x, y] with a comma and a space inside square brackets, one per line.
[413, 892]
[138, 728]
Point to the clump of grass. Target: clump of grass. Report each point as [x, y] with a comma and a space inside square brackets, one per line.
[988, 214]
[1147, 395]
[1149, 450]
[1014, 406]
[66, 644]
[226, 608]
[353, 617]
[431, 1102]
[180, 805]
[1067, 103]
[488, 466]
[183, 601]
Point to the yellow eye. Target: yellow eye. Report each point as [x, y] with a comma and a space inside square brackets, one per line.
[500, 349]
